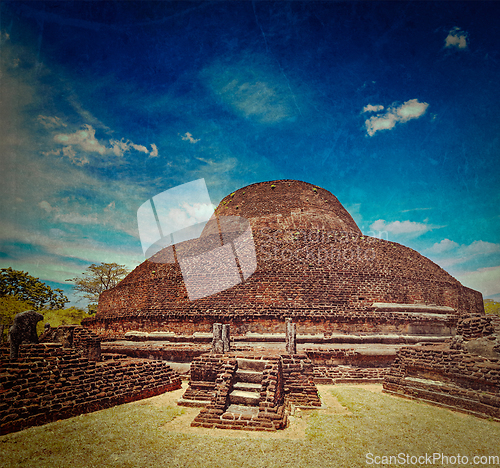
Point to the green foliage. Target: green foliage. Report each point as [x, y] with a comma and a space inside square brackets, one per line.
[27, 288]
[491, 307]
[9, 307]
[56, 318]
[99, 278]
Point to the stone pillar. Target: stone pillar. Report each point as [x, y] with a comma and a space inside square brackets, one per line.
[217, 343]
[226, 344]
[291, 336]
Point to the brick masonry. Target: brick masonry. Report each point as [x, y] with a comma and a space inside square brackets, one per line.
[313, 264]
[287, 380]
[449, 375]
[49, 382]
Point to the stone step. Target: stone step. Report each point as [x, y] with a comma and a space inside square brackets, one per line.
[430, 309]
[247, 387]
[241, 409]
[255, 365]
[249, 376]
[240, 397]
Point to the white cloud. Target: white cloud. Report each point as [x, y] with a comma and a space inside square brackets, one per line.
[456, 38]
[370, 108]
[154, 151]
[254, 89]
[412, 109]
[402, 227]
[76, 218]
[449, 253]
[486, 280]
[139, 148]
[120, 147]
[199, 212]
[50, 122]
[376, 123]
[188, 137]
[84, 138]
[45, 206]
[444, 246]
[71, 154]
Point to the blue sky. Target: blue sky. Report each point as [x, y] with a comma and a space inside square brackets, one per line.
[391, 106]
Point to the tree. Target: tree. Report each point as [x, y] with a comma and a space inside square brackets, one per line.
[9, 307]
[99, 278]
[491, 307]
[26, 288]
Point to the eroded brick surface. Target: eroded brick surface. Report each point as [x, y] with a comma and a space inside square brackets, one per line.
[450, 377]
[48, 382]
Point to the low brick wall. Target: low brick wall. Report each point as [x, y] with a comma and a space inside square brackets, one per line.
[271, 414]
[475, 327]
[448, 377]
[298, 378]
[348, 374]
[49, 382]
[203, 374]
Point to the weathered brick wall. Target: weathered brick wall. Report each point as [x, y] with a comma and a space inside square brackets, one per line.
[349, 365]
[298, 380]
[449, 377]
[337, 373]
[272, 320]
[475, 327]
[204, 371]
[313, 264]
[74, 336]
[49, 382]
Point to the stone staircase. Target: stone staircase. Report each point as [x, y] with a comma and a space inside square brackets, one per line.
[245, 397]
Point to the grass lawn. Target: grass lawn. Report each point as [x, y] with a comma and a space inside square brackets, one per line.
[156, 433]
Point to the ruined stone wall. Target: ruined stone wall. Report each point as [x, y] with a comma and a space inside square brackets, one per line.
[338, 373]
[475, 327]
[204, 371]
[448, 377]
[349, 365]
[298, 380]
[49, 382]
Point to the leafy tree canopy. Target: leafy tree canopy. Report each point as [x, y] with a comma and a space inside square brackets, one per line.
[26, 288]
[491, 307]
[99, 278]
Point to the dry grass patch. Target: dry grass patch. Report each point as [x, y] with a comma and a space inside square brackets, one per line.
[156, 433]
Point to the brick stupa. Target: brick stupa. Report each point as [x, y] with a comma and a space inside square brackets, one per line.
[313, 264]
